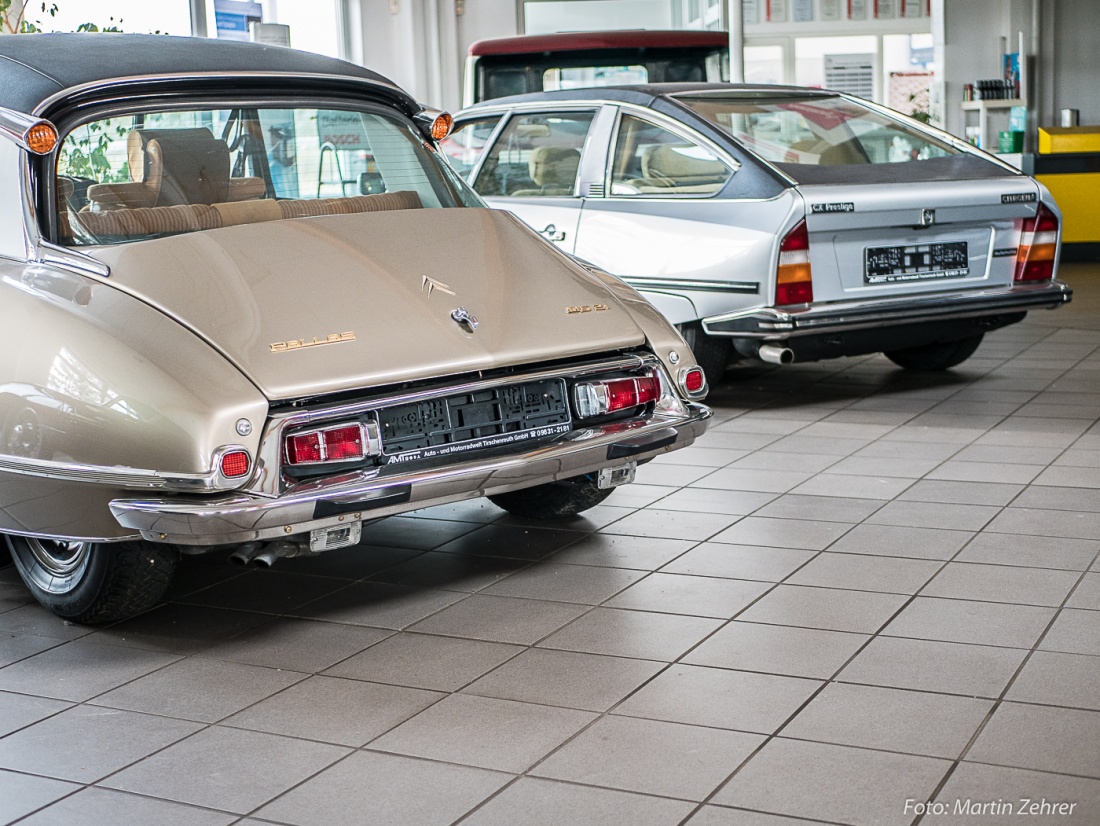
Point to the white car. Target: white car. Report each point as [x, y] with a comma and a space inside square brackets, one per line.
[779, 222]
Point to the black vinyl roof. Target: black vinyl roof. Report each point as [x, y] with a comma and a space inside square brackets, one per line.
[34, 67]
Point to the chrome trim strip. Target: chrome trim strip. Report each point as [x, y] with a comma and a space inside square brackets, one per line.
[771, 323]
[177, 77]
[249, 517]
[127, 477]
[71, 259]
[642, 282]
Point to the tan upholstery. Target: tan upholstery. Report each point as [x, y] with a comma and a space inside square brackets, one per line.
[553, 169]
[193, 217]
[665, 165]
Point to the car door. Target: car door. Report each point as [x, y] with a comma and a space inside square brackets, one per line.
[531, 169]
[676, 223]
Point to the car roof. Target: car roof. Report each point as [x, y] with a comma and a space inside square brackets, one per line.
[644, 93]
[583, 41]
[36, 67]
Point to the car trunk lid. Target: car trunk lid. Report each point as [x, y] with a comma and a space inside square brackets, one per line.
[320, 305]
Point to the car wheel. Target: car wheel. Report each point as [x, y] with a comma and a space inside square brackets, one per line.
[23, 435]
[555, 500]
[711, 352]
[94, 582]
[939, 356]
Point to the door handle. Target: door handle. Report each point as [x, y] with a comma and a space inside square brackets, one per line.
[550, 233]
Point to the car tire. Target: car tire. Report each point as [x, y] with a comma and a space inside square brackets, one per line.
[555, 500]
[711, 352]
[939, 356]
[94, 582]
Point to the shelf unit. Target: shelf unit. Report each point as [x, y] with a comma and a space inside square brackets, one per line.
[983, 108]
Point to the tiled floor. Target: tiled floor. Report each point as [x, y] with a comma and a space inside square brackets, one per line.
[862, 591]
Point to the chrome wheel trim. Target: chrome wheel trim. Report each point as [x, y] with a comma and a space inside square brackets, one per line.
[58, 558]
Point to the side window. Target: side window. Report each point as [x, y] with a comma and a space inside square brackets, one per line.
[464, 146]
[535, 155]
[651, 160]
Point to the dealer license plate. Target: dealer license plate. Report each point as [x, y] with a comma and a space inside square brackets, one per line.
[917, 262]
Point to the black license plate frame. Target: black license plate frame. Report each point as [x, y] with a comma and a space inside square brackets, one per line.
[902, 263]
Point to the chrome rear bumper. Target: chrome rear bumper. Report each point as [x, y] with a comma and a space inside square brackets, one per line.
[328, 503]
[770, 324]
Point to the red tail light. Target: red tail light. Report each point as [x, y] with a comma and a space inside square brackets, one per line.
[1038, 244]
[694, 380]
[599, 398]
[794, 282]
[342, 443]
[235, 464]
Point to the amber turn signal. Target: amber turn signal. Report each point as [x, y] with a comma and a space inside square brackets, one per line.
[442, 125]
[41, 138]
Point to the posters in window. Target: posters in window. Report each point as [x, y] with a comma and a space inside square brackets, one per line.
[750, 10]
[857, 9]
[802, 11]
[830, 9]
[777, 11]
[886, 9]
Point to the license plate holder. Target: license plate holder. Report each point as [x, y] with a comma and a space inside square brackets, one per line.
[916, 262]
[340, 536]
[612, 477]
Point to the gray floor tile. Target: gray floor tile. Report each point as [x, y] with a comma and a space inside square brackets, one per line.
[786, 461]
[409, 532]
[1042, 738]
[199, 689]
[981, 623]
[690, 595]
[639, 495]
[1030, 551]
[394, 790]
[965, 493]
[85, 743]
[450, 572]
[670, 524]
[866, 573]
[264, 591]
[912, 722]
[379, 605]
[810, 445]
[707, 500]
[560, 582]
[1002, 583]
[425, 661]
[357, 562]
[297, 645]
[536, 802]
[947, 667]
[719, 698]
[484, 732]
[957, 471]
[855, 487]
[934, 515]
[640, 634]
[777, 649]
[1014, 454]
[761, 481]
[19, 710]
[1050, 678]
[902, 467]
[739, 562]
[892, 540]
[16, 647]
[634, 552]
[79, 670]
[1087, 593]
[227, 769]
[650, 756]
[344, 712]
[1059, 498]
[1041, 522]
[819, 508]
[783, 533]
[501, 619]
[511, 542]
[21, 794]
[104, 807]
[979, 784]
[836, 783]
[1074, 632]
[566, 679]
[34, 620]
[179, 629]
[702, 456]
[827, 608]
[723, 816]
[673, 475]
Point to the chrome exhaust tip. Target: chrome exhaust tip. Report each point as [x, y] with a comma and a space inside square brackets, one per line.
[775, 354]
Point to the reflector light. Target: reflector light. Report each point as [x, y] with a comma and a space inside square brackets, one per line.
[794, 281]
[342, 443]
[235, 464]
[694, 380]
[41, 138]
[1037, 247]
[602, 397]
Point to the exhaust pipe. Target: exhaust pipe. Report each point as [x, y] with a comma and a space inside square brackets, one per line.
[245, 553]
[775, 354]
[280, 550]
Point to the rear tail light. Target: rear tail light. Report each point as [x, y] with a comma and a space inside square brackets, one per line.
[598, 398]
[235, 463]
[343, 443]
[693, 381]
[794, 283]
[1038, 244]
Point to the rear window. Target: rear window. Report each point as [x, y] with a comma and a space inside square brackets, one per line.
[819, 131]
[151, 174]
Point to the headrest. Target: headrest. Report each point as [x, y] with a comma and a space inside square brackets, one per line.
[192, 164]
[668, 161]
[554, 166]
